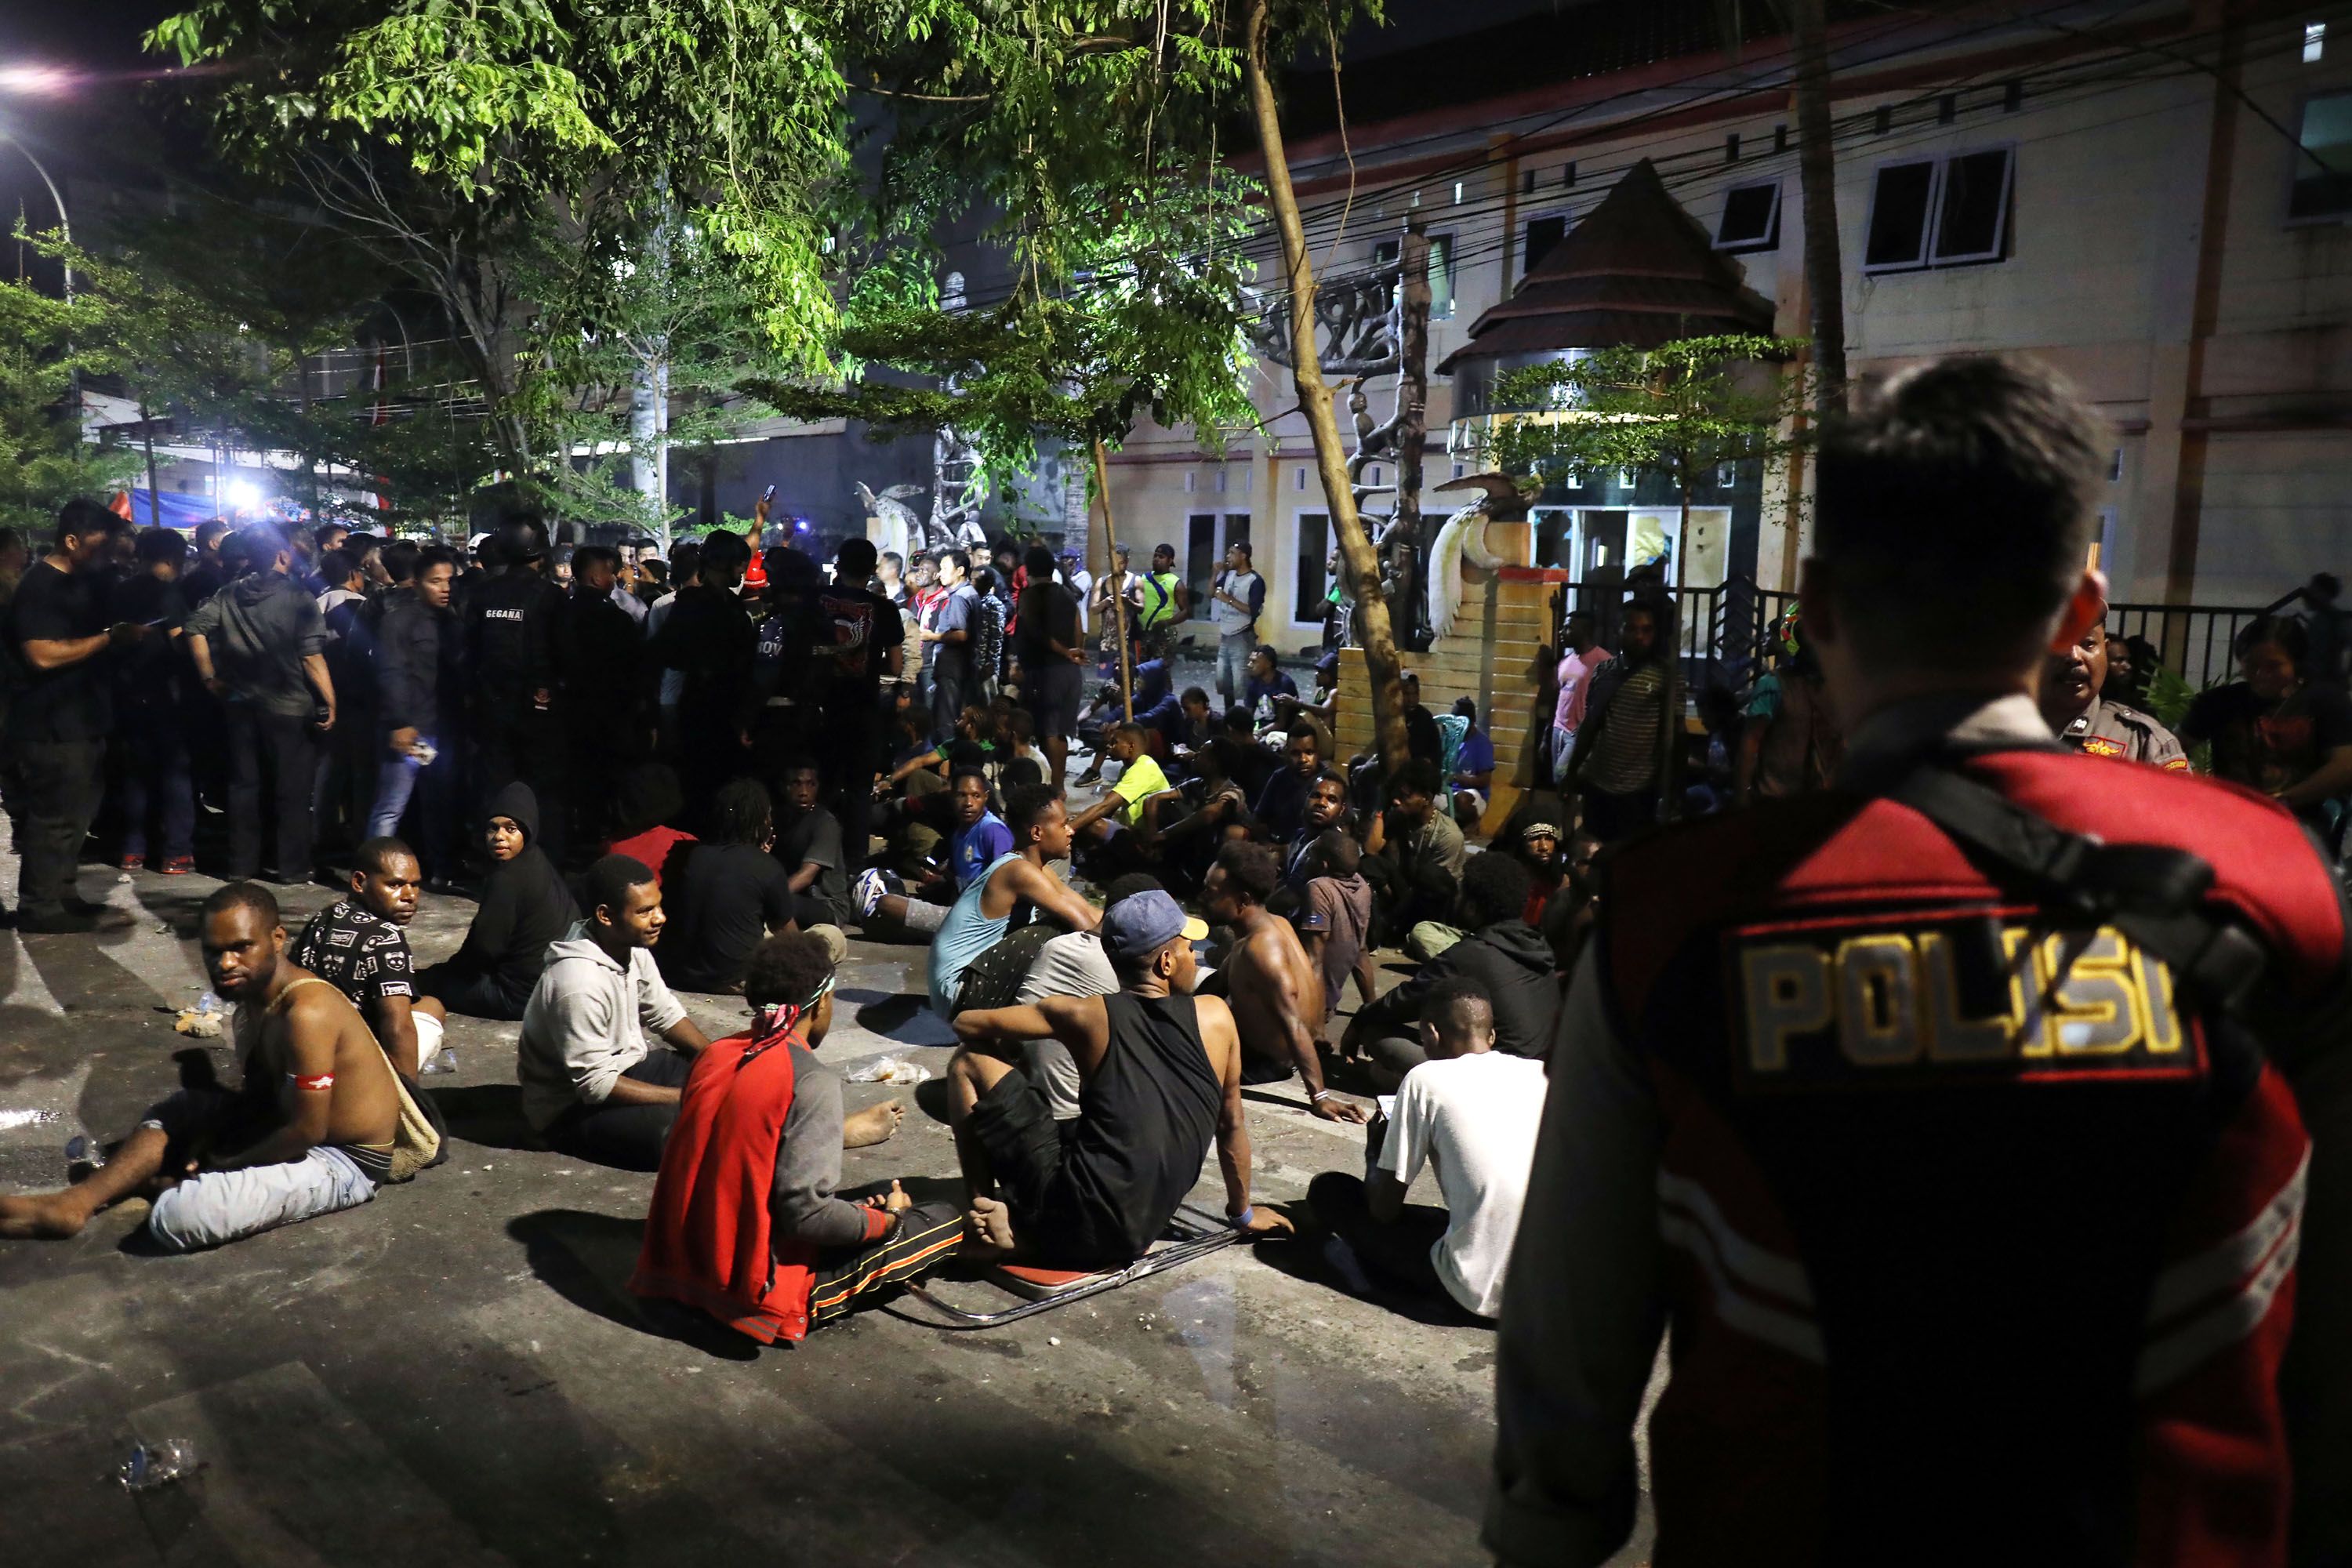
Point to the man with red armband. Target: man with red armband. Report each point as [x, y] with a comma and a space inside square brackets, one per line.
[760, 1116]
[1964, 1119]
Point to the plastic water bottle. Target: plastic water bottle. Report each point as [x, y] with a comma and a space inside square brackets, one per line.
[82, 1149]
[207, 1002]
[155, 1465]
[446, 1062]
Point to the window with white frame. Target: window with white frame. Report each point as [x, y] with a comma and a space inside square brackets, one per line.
[2323, 160]
[1751, 217]
[1951, 211]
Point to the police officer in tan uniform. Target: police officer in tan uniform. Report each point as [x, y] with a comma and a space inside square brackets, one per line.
[2087, 721]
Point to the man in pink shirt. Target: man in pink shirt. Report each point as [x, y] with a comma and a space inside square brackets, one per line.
[1584, 656]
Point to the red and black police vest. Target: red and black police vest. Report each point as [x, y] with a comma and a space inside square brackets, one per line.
[1960, 1274]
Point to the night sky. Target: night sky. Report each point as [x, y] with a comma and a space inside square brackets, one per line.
[103, 126]
[95, 125]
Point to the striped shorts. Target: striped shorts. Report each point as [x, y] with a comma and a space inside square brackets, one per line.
[928, 1234]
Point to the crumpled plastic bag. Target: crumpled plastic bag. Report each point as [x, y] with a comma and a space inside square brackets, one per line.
[202, 1026]
[888, 1070]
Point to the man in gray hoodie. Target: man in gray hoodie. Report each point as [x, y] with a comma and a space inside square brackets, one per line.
[590, 1084]
[259, 646]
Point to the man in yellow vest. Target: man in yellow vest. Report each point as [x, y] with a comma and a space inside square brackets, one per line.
[1162, 604]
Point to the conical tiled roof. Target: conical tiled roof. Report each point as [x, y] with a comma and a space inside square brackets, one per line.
[1638, 272]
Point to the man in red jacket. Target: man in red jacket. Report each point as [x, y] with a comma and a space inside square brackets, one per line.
[1954, 1116]
[761, 1115]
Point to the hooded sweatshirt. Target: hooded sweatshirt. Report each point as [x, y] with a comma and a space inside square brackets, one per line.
[1513, 961]
[525, 906]
[585, 1023]
[259, 629]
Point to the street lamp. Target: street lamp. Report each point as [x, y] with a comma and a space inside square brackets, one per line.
[65, 224]
[40, 80]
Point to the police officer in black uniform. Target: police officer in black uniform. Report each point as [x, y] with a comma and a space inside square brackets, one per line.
[513, 629]
[1978, 1124]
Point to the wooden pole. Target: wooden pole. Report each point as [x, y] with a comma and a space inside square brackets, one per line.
[1110, 568]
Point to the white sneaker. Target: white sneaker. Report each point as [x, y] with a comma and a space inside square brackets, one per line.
[869, 891]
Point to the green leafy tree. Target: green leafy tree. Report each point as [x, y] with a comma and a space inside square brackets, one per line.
[1080, 134]
[444, 137]
[43, 461]
[1678, 410]
[1081, 142]
[661, 307]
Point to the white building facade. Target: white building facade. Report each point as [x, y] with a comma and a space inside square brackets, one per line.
[2145, 197]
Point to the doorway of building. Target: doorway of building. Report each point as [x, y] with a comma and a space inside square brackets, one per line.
[1207, 536]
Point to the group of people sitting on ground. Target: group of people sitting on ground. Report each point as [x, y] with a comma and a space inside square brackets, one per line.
[1106, 1034]
[1099, 1062]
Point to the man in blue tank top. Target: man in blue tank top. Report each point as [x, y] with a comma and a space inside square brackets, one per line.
[1007, 893]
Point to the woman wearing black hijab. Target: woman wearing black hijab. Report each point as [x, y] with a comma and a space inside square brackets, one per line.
[524, 907]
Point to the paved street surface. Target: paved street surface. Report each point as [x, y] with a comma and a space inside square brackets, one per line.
[454, 1373]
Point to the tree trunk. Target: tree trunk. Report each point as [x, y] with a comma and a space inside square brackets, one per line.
[1361, 566]
[1816, 173]
[661, 457]
[645, 435]
[1118, 600]
[309, 459]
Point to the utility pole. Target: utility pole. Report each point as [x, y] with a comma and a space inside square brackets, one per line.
[155, 490]
[1816, 175]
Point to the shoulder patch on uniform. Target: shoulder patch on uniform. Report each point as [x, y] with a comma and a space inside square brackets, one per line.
[1932, 996]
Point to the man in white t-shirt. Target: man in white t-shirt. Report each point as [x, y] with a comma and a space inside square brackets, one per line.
[1473, 1112]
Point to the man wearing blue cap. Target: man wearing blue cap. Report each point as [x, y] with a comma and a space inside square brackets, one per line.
[1159, 1075]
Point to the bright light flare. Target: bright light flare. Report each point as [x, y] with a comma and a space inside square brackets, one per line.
[243, 495]
[42, 79]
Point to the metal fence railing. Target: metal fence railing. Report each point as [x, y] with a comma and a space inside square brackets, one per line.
[2194, 641]
[1721, 631]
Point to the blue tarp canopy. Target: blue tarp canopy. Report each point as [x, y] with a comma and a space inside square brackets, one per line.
[183, 512]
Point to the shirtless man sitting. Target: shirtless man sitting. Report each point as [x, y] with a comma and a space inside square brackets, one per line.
[1275, 989]
[1160, 1076]
[309, 1132]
